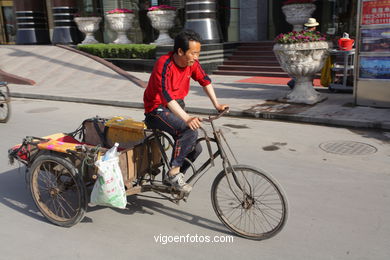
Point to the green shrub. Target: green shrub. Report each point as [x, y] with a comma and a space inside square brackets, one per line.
[124, 51]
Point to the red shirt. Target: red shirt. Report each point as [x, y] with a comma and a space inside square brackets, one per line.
[168, 81]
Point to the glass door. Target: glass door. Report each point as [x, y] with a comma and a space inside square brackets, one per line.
[7, 23]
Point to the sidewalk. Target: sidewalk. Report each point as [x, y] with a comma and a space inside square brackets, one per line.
[63, 75]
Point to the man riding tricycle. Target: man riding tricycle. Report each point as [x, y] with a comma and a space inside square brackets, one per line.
[62, 168]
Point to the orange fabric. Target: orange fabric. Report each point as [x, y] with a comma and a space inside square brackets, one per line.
[59, 142]
[57, 146]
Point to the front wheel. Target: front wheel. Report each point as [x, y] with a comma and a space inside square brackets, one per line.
[249, 202]
[58, 190]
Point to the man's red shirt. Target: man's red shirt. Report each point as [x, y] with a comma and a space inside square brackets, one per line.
[169, 81]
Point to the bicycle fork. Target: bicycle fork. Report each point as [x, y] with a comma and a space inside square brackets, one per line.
[227, 164]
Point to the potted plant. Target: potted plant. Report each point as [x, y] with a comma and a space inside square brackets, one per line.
[88, 23]
[297, 12]
[120, 21]
[162, 18]
[302, 54]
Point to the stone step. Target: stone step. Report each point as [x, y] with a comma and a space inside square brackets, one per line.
[262, 43]
[255, 48]
[250, 68]
[272, 62]
[254, 53]
[252, 59]
[245, 58]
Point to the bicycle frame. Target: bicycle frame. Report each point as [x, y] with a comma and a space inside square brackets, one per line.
[241, 180]
[220, 151]
[212, 156]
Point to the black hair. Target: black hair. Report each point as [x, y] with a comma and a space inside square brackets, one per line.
[183, 38]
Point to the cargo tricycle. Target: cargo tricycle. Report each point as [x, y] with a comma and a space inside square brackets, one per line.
[61, 171]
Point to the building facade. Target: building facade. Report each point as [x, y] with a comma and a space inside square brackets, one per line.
[51, 21]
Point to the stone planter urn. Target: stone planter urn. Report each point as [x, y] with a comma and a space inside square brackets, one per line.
[302, 61]
[297, 14]
[162, 20]
[88, 26]
[120, 23]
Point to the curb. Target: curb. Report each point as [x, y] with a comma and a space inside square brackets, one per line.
[92, 101]
[323, 120]
[233, 113]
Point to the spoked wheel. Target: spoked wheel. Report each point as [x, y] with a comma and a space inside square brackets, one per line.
[5, 108]
[249, 202]
[58, 190]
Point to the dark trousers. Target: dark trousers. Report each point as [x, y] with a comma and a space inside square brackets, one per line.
[163, 119]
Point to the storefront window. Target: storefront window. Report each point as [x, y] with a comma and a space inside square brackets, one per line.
[8, 24]
[335, 17]
[228, 13]
[135, 34]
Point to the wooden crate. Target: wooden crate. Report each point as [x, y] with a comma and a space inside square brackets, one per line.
[139, 160]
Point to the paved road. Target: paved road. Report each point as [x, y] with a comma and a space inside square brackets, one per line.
[339, 204]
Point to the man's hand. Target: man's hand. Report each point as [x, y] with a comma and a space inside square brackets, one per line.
[222, 107]
[193, 123]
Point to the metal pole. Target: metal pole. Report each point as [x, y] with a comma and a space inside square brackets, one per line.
[201, 18]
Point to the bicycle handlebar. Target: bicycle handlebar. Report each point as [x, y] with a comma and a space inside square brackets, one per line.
[212, 118]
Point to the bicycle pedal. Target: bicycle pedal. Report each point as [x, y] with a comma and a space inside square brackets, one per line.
[185, 196]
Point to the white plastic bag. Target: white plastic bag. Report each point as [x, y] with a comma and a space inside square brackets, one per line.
[109, 189]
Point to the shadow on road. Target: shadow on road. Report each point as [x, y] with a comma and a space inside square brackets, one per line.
[15, 193]
[139, 205]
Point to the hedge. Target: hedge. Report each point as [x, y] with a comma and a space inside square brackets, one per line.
[124, 51]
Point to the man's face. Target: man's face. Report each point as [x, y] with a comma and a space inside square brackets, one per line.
[191, 55]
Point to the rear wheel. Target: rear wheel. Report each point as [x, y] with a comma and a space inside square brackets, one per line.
[249, 202]
[58, 190]
[5, 108]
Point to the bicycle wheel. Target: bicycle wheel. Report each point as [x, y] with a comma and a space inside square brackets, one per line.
[257, 210]
[5, 108]
[57, 190]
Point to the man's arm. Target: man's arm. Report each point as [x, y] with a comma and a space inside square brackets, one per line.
[192, 122]
[211, 93]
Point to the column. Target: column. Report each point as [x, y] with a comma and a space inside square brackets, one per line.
[31, 21]
[201, 17]
[262, 20]
[65, 29]
[249, 19]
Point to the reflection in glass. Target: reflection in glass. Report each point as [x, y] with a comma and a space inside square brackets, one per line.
[9, 23]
